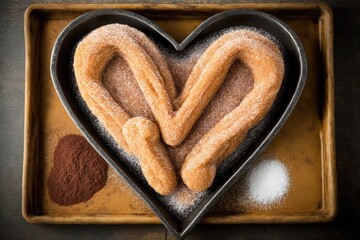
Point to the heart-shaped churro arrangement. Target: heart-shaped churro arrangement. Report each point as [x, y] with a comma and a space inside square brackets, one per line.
[175, 113]
[123, 115]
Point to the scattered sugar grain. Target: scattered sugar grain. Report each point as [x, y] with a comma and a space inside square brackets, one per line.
[183, 201]
[136, 201]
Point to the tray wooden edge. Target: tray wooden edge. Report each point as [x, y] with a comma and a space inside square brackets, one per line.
[327, 214]
[327, 26]
[26, 181]
[179, 6]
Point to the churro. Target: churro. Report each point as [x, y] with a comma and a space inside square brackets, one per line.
[91, 57]
[265, 61]
[143, 139]
[141, 136]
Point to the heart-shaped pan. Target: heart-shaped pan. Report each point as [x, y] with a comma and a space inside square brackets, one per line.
[258, 138]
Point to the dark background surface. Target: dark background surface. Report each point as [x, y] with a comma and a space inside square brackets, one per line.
[347, 94]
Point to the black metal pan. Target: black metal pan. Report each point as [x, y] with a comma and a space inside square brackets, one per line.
[261, 135]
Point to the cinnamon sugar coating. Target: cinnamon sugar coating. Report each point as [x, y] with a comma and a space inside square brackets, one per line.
[156, 99]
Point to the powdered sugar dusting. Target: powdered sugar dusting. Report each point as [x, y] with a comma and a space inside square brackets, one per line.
[264, 186]
[183, 201]
[268, 182]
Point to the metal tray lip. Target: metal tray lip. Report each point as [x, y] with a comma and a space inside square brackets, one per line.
[290, 106]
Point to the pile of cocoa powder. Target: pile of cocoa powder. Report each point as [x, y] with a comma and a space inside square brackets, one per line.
[78, 171]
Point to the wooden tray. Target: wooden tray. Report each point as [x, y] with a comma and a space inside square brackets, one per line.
[305, 144]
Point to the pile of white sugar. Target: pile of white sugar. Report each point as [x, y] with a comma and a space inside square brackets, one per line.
[268, 182]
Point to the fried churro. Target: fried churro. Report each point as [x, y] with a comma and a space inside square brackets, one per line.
[141, 136]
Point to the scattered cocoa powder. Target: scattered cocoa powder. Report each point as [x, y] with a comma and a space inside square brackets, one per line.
[78, 171]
